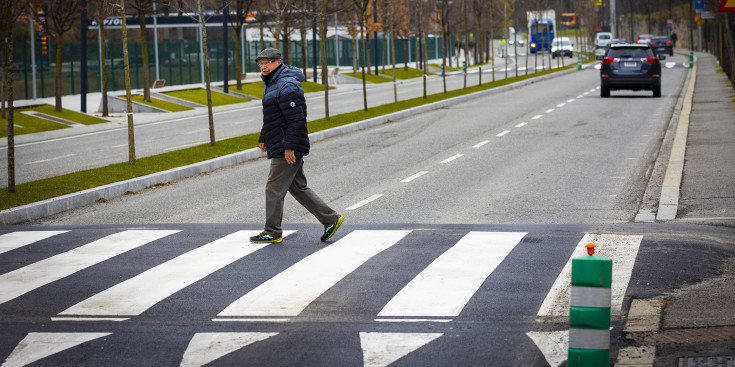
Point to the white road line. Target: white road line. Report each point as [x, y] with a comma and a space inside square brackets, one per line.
[550, 110]
[382, 349]
[412, 320]
[579, 96]
[134, 296]
[364, 202]
[503, 133]
[561, 105]
[586, 93]
[570, 100]
[536, 117]
[522, 124]
[185, 146]
[622, 249]
[36, 346]
[23, 280]
[448, 283]
[207, 347]
[409, 179]
[451, 158]
[119, 146]
[194, 131]
[14, 240]
[480, 144]
[51, 159]
[291, 291]
[116, 319]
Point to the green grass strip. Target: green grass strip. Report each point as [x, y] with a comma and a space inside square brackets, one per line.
[256, 88]
[199, 95]
[159, 103]
[78, 117]
[446, 67]
[30, 124]
[405, 74]
[34, 191]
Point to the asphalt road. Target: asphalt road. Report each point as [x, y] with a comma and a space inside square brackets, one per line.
[68, 150]
[188, 295]
[549, 152]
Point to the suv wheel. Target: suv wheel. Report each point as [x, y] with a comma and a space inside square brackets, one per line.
[657, 91]
[604, 92]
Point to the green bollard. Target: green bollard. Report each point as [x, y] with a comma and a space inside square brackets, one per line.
[579, 62]
[589, 313]
[691, 59]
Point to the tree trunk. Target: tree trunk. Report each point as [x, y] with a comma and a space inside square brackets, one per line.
[129, 110]
[323, 58]
[103, 60]
[238, 67]
[362, 54]
[354, 56]
[207, 78]
[58, 74]
[142, 38]
[9, 91]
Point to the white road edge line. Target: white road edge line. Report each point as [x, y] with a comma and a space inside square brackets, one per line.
[409, 179]
[503, 133]
[522, 124]
[364, 202]
[451, 158]
[550, 110]
[536, 117]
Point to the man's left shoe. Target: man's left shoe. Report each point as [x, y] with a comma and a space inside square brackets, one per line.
[332, 228]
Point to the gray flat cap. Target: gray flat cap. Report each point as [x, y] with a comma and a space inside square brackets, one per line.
[269, 53]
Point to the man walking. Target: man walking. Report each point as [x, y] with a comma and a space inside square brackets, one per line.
[285, 137]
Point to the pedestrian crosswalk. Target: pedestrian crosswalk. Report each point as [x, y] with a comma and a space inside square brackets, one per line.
[440, 277]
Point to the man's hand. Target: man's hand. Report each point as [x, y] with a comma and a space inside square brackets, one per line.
[262, 147]
[290, 157]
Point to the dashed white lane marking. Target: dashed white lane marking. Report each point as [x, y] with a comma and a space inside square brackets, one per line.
[561, 105]
[451, 158]
[570, 100]
[593, 90]
[51, 159]
[119, 146]
[364, 202]
[480, 144]
[550, 110]
[194, 131]
[503, 133]
[536, 117]
[585, 93]
[579, 96]
[409, 179]
[522, 124]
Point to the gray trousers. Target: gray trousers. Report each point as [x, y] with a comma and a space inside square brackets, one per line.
[283, 178]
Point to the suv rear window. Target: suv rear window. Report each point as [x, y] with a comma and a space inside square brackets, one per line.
[630, 52]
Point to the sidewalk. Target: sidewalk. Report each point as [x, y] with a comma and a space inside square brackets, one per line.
[695, 325]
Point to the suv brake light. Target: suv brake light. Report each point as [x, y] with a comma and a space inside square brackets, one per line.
[669, 43]
[652, 60]
[607, 60]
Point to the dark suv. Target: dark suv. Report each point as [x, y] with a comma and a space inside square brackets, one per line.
[632, 67]
[662, 45]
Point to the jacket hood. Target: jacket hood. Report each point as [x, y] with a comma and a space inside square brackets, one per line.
[293, 72]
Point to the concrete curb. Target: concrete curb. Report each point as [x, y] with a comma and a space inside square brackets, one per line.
[669, 201]
[79, 199]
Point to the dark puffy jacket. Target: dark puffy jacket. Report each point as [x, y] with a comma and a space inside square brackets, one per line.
[284, 113]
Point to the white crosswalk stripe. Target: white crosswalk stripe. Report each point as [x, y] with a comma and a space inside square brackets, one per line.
[290, 292]
[138, 294]
[28, 278]
[14, 240]
[445, 286]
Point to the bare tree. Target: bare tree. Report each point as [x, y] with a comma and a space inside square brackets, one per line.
[242, 8]
[361, 7]
[129, 109]
[143, 7]
[9, 13]
[62, 14]
[195, 7]
[104, 9]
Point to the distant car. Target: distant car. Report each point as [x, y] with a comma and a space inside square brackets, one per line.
[562, 46]
[644, 38]
[602, 39]
[630, 67]
[521, 41]
[662, 45]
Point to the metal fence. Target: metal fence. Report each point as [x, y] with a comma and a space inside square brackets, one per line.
[179, 62]
[717, 41]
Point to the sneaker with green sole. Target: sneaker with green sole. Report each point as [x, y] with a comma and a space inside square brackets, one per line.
[265, 238]
[331, 229]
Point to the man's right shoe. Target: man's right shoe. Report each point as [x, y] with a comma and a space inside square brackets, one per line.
[265, 238]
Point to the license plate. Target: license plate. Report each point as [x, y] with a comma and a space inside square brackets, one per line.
[629, 64]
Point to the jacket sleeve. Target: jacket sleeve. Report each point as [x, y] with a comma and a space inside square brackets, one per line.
[292, 105]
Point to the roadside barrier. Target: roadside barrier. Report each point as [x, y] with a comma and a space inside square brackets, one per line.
[589, 313]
